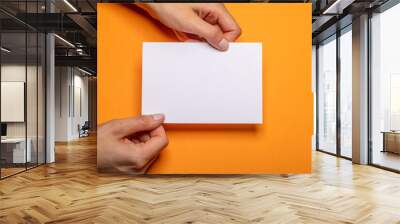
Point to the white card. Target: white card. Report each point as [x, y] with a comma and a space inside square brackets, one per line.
[193, 83]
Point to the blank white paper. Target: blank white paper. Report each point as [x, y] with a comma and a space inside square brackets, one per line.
[193, 83]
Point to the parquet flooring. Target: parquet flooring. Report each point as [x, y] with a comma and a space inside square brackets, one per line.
[10, 171]
[71, 191]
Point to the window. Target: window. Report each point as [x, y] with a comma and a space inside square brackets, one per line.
[327, 95]
[394, 102]
[385, 89]
[346, 93]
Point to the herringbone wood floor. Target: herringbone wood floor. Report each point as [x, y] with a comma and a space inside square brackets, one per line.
[71, 191]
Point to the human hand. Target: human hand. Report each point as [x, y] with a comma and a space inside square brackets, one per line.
[194, 22]
[130, 145]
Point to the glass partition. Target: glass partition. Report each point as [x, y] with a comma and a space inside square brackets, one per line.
[346, 93]
[14, 153]
[41, 107]
[23, 91]
[385, 89]
[31, 100]
[327, 95]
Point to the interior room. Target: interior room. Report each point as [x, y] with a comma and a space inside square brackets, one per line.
[49, 121]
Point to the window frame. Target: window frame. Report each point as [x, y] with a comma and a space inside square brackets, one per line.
[336, 38]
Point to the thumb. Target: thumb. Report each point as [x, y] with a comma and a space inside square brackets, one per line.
[130, 126]
[211, 33]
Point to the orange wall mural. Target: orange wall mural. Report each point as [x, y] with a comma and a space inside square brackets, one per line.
[282, 144]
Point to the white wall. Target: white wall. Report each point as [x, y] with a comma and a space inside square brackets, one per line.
[13, 101]
[70, 83]
[16, 73]
[62, 82]
[80, 83]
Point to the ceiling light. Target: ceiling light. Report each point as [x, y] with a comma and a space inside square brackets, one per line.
[70, 5]
[5, 50]
[79, 51]
[65, 41]
[337, 7]
[84, 71]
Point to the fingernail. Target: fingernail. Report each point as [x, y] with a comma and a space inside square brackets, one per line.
[223, 44]
[158, 117]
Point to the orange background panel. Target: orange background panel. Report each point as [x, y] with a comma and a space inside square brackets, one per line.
[282, 144]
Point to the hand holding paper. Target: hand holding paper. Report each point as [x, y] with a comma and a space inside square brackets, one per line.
[194, 22]
[130, 145]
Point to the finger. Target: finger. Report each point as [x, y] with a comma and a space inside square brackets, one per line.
[131, 139]
[133, 170]
[229, 26]
[144, 137]
[211, 33]
[136, 141]
[158, 140]
[147, 166]
[210, 17]
[130, 126]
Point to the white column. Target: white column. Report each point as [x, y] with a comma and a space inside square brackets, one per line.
[360, 90]
[313, 84]
[50, 99]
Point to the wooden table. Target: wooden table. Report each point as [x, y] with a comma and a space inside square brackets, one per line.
[391, 141]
